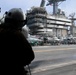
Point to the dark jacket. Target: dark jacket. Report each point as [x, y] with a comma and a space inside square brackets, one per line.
[15, 51]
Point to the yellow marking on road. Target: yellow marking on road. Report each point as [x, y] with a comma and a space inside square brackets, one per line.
[54, 50]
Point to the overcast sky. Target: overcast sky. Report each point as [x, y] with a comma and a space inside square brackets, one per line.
[69, 6]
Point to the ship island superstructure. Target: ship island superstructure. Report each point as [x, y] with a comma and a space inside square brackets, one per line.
[42, 23]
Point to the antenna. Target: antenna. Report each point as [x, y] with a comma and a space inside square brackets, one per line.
[42, 3]
[0, 9]
[55, 5]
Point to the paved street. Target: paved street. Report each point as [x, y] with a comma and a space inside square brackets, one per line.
[66, 70]
[52, 57]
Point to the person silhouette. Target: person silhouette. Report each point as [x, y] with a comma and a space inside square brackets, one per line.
[16, 52]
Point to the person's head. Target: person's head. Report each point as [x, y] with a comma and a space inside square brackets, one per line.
[14, 18]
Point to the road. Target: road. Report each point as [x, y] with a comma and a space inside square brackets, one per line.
[51, 57]
[66, 70]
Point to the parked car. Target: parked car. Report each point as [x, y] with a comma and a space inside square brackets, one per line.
[68, 41]
[55, 41]
[64, 41]
[34, 41]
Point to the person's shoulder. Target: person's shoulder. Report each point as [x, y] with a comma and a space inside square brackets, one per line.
[19, 34]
